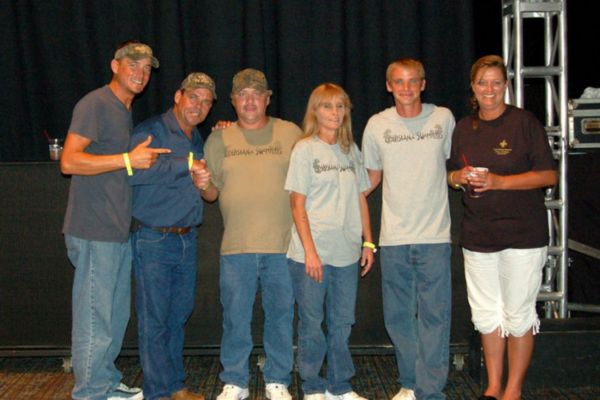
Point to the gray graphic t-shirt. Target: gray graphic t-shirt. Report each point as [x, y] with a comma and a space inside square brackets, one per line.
[331, 180]
[412, 154]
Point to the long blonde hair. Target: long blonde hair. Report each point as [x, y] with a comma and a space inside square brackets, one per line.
[319, 95]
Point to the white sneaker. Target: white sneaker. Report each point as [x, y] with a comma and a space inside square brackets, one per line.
[314, 396]
[124, 392]
[345, 396]
[232, 392]
[405, 394]
[277, 391]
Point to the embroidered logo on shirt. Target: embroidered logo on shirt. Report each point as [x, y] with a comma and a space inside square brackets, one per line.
[274, 148]
[434, 133]
[503, 150]
[319, 168]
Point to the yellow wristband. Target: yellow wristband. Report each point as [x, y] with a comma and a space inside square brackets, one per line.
[190, 160]
[370, 246]
[127, 164]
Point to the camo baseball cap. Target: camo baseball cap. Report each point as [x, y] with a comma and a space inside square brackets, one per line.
[197, 80]
[249, 78]
[137, 51]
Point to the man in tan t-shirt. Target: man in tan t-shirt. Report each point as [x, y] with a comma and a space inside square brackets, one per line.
[248, 162]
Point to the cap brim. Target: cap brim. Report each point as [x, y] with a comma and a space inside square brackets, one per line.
[153, 60]
[269, 92]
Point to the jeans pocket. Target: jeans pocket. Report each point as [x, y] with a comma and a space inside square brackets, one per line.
[73, 248]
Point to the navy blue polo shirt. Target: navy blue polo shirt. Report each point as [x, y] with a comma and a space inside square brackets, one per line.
[164, 195]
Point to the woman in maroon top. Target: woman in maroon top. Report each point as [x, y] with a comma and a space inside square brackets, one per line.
[504, 230]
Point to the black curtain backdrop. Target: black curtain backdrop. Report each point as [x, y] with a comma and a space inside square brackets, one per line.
[54, 52]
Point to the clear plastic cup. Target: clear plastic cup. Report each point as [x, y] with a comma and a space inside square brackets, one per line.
[482, 172]
[55, 148]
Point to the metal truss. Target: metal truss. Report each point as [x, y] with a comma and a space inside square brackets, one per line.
[552, 70]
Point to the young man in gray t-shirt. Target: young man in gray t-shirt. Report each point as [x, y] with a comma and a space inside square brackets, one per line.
[406, 146]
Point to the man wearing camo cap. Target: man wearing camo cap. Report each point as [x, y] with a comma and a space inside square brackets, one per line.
[248, 162]
[97, 221]
[167, 208]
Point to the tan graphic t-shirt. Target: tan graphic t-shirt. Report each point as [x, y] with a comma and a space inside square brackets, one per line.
[249, 168]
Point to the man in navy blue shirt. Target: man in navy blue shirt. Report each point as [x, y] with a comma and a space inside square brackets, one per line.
[167, 208]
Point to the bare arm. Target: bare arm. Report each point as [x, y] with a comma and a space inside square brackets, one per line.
[75, 160]
[201, 179]
[524, 181]
[210, 193]
[375, 178]
[367, 259]
[221, 124]
[457, 177]
[313, 265]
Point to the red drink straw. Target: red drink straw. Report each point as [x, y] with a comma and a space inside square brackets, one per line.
[46, 135]
[465, 160]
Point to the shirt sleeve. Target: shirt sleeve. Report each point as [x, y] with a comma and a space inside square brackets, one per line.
[453, 162]
[540, 152]
[370, 150]
[364, 183]
[298, 177]
[214, 152]
[448, 139]
[84, 121]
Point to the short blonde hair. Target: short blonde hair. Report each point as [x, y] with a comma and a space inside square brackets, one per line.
[319, 95]
[406, 63]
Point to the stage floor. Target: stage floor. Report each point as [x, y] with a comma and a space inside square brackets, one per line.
[44, 378]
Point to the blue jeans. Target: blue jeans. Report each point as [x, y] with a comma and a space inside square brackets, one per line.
[337, 293]
[417, 311]
[101, 307]
[165, 276]
[238, 280]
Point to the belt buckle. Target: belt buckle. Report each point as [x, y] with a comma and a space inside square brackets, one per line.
[176, 230]
[172, 229]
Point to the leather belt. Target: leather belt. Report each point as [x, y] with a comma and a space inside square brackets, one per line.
[172, 229]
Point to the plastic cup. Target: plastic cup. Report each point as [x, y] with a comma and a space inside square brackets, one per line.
[55, 148]
[477, 171]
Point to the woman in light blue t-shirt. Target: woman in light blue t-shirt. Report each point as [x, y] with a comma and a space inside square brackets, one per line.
[327, 183]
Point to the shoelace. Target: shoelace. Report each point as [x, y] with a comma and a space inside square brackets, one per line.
[279, 389]
[228, 388]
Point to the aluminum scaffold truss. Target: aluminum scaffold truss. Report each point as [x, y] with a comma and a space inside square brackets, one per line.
[553, 72]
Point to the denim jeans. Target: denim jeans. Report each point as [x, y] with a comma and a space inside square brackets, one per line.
[417, 311]
[337, 294]
[101, 307]
[238, 280]
[165, 276]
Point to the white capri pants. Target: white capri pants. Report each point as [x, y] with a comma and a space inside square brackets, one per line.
[502, 288]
